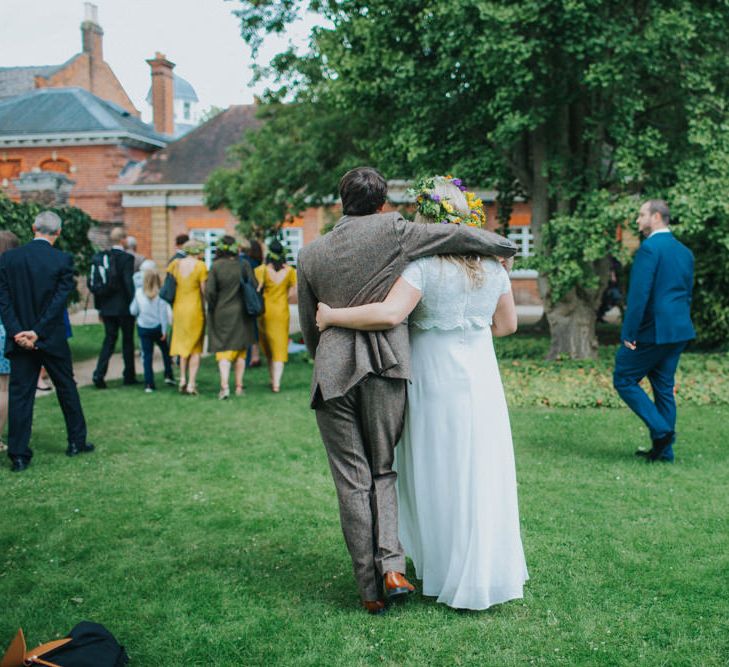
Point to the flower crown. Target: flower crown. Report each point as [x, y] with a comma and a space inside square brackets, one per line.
[440, 210]
[227, 247]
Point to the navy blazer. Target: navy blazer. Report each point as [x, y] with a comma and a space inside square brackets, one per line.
[35, 282]
[659, 295]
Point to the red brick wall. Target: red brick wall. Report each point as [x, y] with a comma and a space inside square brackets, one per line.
[93, 168]
[93, 75]
[138, 223]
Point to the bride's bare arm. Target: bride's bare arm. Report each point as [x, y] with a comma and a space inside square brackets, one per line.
[398, 304]
[504, 320]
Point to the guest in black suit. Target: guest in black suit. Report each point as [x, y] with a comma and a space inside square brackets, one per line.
[35, 281]
[114, 312]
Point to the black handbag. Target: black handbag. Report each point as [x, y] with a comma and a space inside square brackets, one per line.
[253, 304]
[169, 289]
[87, 645]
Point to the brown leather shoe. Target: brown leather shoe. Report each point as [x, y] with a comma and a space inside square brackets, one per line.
[374, 607]
[396, 585]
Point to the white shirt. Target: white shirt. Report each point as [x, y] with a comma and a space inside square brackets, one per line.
[659, 231]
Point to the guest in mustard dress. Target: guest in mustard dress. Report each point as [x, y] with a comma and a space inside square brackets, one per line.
[278, 281]
[188, 313]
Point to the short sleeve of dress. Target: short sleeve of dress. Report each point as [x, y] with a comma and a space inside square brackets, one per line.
[505, 286]
[292, 277]
[414, 275]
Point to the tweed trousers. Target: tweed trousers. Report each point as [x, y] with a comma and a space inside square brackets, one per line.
[360, 431]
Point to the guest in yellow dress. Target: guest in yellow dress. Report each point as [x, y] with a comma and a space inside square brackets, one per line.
[278, 281]
[188, 313]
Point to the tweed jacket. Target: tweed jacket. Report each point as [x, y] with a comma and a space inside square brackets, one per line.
[357, 263]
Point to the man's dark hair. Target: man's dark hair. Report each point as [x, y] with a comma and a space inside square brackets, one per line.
[255, 252]
[363, 191]
[181, 240]
[661, 207]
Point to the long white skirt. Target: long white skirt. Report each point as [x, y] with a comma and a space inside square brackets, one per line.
[459, 515]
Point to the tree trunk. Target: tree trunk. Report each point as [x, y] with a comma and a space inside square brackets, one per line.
[572, 328]
[572, 321]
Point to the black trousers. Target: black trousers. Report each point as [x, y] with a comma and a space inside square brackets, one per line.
[25, 366]
[112, 324]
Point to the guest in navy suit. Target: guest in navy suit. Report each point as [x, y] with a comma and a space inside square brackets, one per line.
[35, 281]
[656, 327]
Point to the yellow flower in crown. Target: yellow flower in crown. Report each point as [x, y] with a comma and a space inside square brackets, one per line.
[431, 205]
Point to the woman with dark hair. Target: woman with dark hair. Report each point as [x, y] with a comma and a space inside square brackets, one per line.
[230, 328]
[278, 281]
[8, 240]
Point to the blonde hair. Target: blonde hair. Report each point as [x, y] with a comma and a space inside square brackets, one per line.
[471, 264]
[151, 284]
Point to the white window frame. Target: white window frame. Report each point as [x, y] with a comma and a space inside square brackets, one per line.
[208, 237]
[524, 239]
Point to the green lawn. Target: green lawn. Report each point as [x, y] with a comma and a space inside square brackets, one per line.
[86, 341]
[206, 533]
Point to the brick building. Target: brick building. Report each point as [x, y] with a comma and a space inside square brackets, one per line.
[164, 196]
[75, 119]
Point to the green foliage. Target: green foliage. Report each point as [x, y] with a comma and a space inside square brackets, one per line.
[702, 212]
[294, 161]
[579, 105]
[574, 246]
[18, 217]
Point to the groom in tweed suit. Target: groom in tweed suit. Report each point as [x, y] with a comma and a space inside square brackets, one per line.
[359, 381]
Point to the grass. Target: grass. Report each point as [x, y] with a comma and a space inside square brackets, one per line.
[86, 341]
[206, 533]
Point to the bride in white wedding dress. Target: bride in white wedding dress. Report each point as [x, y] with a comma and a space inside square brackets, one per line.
[459, 515]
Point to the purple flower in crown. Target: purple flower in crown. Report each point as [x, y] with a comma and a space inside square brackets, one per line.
[435, 198]
[457, 182]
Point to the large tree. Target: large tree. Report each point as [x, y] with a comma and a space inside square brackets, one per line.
[581, 105]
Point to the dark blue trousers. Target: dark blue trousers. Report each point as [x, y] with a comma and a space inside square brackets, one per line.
[147, 339]
[25, 366]
[658, 363]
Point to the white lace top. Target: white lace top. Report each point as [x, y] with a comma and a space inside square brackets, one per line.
[449, 300]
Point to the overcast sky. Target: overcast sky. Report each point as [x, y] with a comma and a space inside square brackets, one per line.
[201, 37]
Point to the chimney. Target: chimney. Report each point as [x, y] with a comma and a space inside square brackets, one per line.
[163, 94]
[92, 36]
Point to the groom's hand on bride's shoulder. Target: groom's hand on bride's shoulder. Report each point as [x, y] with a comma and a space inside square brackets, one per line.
[322, 315]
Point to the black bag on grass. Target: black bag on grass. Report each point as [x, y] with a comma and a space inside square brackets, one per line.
[91, 645]
[87, 645]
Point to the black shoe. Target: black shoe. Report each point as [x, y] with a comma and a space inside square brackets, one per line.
[19, 465]
[660, 445]
[130, 382]
[74, 449]
[99, 383]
